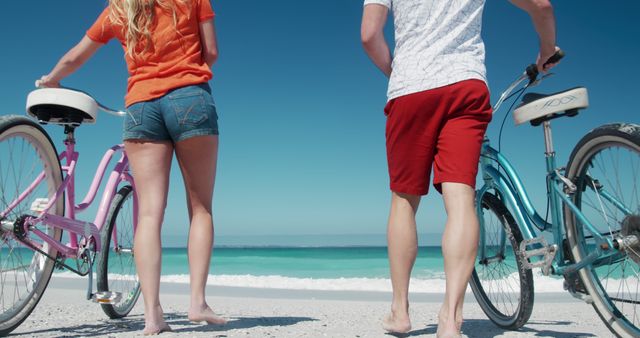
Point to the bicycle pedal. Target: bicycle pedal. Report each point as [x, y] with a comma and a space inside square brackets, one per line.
[583, 297]
[106, 297]
[39, 204]
[574, 286]
[542, 250]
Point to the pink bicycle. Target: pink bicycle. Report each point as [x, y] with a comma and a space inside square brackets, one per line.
[37, 203]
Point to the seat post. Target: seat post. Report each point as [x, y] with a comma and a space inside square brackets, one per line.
[548, 139]
[70, 132]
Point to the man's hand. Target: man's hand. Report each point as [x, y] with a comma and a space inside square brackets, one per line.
[543, 57]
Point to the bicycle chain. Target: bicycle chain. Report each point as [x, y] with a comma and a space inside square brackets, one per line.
[61, 263]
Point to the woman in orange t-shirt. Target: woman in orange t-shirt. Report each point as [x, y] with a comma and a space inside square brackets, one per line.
[170, 46]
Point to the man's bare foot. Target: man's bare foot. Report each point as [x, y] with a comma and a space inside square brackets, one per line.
[448, 328]
[205, 314]
[396, 323]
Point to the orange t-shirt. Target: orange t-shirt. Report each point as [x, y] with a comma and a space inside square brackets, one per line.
[173, 60]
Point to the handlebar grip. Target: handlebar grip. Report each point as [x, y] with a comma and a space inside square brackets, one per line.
[532, 69]
[556, 57]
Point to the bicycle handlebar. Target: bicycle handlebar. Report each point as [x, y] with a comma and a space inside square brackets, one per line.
[531, 73]
[532, 70]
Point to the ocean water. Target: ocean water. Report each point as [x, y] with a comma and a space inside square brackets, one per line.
[349, 268]
[304, 262]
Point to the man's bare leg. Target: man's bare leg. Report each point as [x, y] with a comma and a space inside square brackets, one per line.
[459, 248]
[403, 247]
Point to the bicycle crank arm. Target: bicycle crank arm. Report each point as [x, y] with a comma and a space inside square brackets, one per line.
[74, 226]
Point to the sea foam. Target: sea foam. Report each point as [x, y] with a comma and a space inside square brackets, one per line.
[420, 285]
[544, 284]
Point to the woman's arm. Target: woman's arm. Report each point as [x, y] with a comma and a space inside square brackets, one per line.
[209, 42]
[70, 62]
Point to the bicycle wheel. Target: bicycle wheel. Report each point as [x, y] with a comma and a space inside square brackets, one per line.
[26, 153]
[500, 283]
[117, 269]
[608, 159]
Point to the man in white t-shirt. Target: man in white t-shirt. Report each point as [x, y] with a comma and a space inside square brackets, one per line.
[437, 114]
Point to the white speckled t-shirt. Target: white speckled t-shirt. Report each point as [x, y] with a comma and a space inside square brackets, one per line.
[438, 43]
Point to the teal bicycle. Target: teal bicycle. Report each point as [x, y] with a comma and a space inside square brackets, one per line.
[590, 234]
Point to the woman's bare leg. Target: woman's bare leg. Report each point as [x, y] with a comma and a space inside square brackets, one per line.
[197, 157]
[459, 248]
[151, 164]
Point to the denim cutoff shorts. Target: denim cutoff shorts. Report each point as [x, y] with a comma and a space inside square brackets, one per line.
[178, 115]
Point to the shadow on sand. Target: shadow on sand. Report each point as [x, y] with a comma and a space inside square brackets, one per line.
[484, 328]
[135, 325]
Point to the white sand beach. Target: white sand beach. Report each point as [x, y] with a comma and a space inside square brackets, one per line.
[252, 312]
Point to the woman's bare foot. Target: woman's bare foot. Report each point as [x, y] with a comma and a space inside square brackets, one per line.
[396, 323]
[155, 330]
[154, 321]
[205, 314]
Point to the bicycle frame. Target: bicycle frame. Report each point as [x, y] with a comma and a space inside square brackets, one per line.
[511, 190]
[68, 222]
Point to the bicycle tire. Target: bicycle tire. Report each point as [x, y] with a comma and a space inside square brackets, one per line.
[585, 165]
[125, 280]
[487, 285]
[38, 150]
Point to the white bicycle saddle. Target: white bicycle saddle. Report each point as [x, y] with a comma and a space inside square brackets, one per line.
[538, 108]
[62, 106]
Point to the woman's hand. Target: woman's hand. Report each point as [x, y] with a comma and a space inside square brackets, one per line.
[46, 81]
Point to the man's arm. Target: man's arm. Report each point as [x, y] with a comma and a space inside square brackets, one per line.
[374, 18]
[541, 13]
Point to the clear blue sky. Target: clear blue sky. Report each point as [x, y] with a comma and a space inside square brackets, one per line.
[300, 105]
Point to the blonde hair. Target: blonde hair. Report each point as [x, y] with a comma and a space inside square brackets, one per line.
[135, 17]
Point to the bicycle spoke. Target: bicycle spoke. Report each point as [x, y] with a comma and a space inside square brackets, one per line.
[119, 274]
[608, 160]
[26, 154]
[499, 278]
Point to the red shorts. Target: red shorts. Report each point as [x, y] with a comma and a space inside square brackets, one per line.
[443, 128]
